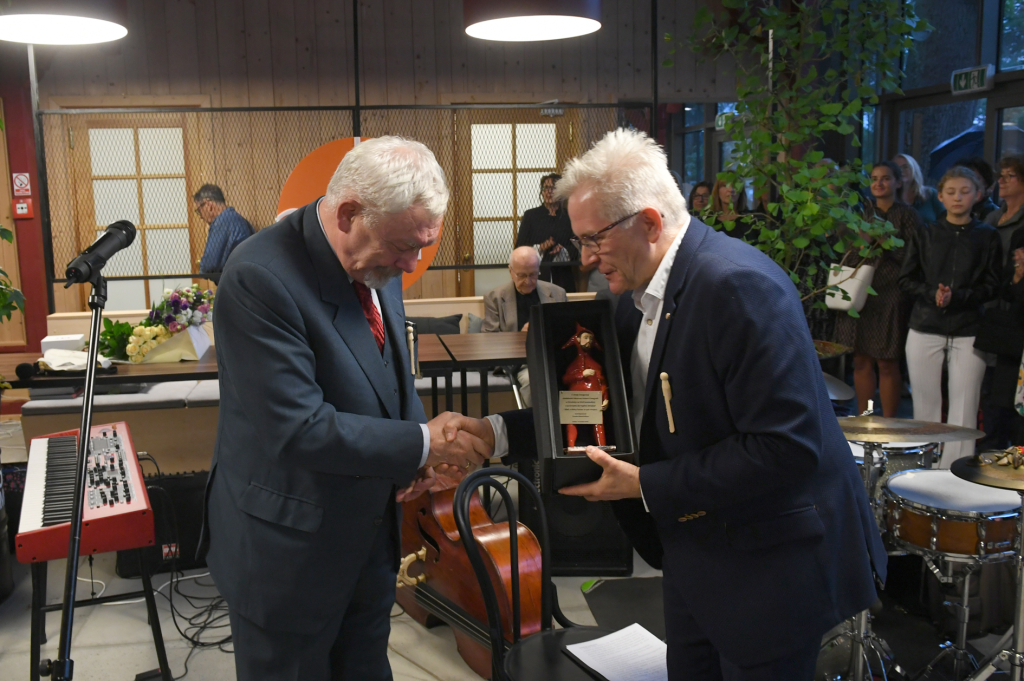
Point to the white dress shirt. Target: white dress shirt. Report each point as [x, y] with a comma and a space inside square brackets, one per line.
[376, 304]
[649, 300]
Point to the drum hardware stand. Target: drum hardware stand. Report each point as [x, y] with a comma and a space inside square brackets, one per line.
[957, 649]
[1012, 655]
[862, 639]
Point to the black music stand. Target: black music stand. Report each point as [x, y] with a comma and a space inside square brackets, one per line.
[63, 668]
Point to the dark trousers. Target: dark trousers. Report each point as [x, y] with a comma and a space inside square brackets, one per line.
[351, 647]
[692, 657]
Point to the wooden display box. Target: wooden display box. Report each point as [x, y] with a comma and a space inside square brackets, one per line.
[551, 327]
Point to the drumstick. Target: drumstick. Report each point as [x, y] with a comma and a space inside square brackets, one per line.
[412, 349]
[666, 390]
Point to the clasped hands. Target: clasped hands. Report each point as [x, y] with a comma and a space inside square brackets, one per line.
[454, 452]
[619, 480]
[943, 296]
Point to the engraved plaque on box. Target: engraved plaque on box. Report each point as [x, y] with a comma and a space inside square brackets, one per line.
[579, 407]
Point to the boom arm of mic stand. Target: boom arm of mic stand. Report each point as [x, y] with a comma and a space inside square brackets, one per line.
[63, 668]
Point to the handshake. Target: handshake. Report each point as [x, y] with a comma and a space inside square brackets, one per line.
[458, 444]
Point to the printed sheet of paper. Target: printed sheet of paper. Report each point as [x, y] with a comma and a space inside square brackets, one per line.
[630, 654]
[580, 406]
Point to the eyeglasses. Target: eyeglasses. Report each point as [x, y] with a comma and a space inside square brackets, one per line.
[548, 188]
[592, 243]
[199, 207]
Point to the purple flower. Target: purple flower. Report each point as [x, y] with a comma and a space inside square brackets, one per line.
[169, 319]
[152, 315]
[176, 306]
[184, 305]
[175, 296]
[204, 308]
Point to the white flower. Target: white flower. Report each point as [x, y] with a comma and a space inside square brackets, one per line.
[132, 349]
[181, 319]
[136, 358]
[135, 339]
[167, 292]
[148, 345]
[138, 330]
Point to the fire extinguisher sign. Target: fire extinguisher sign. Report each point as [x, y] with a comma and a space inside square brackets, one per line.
[22, 186]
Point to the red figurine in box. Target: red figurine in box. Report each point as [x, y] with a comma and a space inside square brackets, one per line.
[585, 373]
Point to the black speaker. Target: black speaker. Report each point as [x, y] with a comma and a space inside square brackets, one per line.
[585, 538]
[177, 502]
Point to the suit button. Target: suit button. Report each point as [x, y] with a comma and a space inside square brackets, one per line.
[683, 519]
[385, 362]
[378, 521]
[396, 391]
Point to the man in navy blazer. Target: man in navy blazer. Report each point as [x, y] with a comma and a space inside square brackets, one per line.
[752, 505]
[320, 425]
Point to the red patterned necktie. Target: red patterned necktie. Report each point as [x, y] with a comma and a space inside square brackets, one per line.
[371, 312]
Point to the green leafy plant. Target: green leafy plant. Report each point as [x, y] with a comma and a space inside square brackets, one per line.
[806, 70]
[114, 339]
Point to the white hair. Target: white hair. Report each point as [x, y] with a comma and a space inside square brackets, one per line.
[387, 176]
[627, 171]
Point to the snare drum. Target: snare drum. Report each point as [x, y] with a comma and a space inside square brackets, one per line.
[933, 511]
[900, 456]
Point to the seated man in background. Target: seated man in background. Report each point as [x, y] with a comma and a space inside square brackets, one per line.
[507, 308]
[227, 230]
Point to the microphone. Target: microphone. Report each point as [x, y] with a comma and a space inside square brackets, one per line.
[26, 371]
[118, 236]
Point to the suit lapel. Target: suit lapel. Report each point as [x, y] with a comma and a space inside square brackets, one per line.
[393, 310]
[508, 303]
[349, 320]
[696, 232]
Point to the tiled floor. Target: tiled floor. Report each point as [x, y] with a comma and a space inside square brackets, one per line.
[115, 641]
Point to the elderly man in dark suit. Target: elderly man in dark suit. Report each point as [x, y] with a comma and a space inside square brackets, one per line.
[321, 430]
[752, 504]
[507, 308]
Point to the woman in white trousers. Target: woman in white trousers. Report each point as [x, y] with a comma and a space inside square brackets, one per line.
[950, 270]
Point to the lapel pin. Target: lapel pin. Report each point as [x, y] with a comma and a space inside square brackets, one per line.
[666, 390]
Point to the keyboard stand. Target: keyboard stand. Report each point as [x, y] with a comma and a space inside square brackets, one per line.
[40, 608]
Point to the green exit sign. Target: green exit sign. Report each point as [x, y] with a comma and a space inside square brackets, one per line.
[720, 120]
[975, 79]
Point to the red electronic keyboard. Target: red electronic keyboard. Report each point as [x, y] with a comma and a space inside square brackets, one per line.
[117, 514]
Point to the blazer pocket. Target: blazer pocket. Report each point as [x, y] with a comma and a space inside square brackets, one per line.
[798, 524]
[281, 509]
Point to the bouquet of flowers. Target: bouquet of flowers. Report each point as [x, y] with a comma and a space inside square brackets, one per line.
[183, 309]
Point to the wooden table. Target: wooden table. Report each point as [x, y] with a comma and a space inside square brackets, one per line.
[203, 369]
[435, 361]
[482, 352]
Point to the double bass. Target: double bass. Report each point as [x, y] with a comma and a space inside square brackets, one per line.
[437, 583]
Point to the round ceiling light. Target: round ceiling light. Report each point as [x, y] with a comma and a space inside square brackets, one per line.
[63, 22]
[530, 20]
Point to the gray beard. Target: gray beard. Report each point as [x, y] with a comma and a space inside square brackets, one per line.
[379, 277]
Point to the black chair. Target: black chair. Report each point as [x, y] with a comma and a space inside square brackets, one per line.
[539, 656]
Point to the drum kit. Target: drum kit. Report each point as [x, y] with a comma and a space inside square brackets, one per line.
[947, 517]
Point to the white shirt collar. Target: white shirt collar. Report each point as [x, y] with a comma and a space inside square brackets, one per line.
[655, 289]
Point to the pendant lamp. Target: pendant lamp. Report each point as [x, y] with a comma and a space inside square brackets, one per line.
[530, 20]
[63, 22]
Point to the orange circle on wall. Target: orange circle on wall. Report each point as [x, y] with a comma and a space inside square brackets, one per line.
[308, 182]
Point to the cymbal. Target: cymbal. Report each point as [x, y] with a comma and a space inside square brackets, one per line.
[837, 389]
[881, 429]
[983, 470]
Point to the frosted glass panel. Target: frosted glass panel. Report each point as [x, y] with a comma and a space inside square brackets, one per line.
[126, 295]
[157, 286]
[167, 251]
[112, 151]
[165, 202]
[161, 151]
[528, 191]
[492, 146]
[535, 145]
[492, 243]
[492, 195]
[126, 262]
[115, 200]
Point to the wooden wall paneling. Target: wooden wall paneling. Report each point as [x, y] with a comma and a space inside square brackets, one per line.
[533, 67]
[296, 133]
[372, 53]
[305, 52]
[157, 57]
[135, 58]
[284, 66]
[476, 66]
[334, 52]
[494, 52]
[457, 44]
[183, 71]
[12, 331]
[199, 169]
[116, 70]
[259, 53]
[550, 79]
[234, 161]
[399, 50]
[208, 49]
[231, 54]
[94, 69]
[607, 53]
[60, 184]
[624, 52]
[642, 50]
[424, 52]
[415, 290]
[571, 69]
[262, 157]
[443, 50]
[515, 67]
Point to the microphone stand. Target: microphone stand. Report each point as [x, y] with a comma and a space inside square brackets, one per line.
[63, 668]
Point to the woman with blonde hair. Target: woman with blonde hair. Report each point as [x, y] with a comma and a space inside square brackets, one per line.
[950, 270]
[921, 198]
